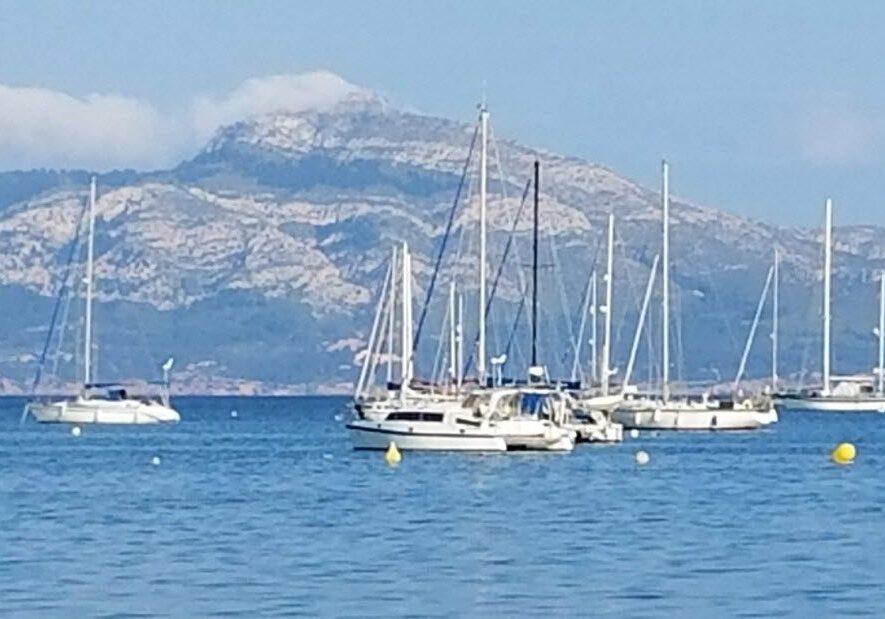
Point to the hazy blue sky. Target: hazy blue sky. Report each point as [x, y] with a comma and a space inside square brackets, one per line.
[762, 107]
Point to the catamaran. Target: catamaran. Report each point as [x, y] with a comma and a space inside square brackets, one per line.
[666, 412]
[111, 403]
[841, 393]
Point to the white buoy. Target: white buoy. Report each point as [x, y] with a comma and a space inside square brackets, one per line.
[642, 457]
[234, 414]
[75, 431]
[339, 417]
[634, 433]
[155, 460]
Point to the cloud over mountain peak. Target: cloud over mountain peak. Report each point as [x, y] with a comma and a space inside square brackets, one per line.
[47, 128]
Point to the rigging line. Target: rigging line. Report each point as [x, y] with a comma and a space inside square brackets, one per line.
[514, 326]
[520, 353]
[523, 291]
[68, 298]
[577, 370]
[441, 342]
[496, 331]
[619, 337]
[465, 244]
[62, 289]
[445, 239]
[367, 367]
[549, 315]
[510, 244]
[507, 246]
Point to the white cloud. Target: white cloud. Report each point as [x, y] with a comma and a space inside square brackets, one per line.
[46, 128]
[275, 93]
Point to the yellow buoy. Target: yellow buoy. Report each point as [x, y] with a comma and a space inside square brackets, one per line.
[392, 456]
[843, 453]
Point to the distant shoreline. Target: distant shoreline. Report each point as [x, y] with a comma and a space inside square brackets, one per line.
[21, 396]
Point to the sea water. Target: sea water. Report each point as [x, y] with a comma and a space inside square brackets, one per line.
[271, 513]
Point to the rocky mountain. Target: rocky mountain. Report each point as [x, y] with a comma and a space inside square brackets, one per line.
[257, 263]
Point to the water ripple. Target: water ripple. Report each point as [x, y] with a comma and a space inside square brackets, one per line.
[274, 515]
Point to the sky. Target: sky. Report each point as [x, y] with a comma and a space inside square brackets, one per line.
[762, 108]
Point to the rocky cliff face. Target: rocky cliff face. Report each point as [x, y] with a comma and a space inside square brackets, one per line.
[258, 261]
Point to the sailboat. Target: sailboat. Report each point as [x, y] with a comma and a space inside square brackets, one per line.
[480, 418]
[110, 403]
[665, 412]
[415, 419]
[591, 415]
[846, 393]
[418, 420]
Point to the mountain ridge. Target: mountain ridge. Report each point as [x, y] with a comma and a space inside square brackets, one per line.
[297, 213]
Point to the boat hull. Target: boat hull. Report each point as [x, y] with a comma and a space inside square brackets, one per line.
[421, 436]
[534, 435]
[603, 403]
[833, 405]
[596, 433]
[677, 418]
[120, 412]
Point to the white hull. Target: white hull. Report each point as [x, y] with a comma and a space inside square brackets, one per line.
[501, 435]
[534, 435]
[83, 411]
[690, 417]
[422, 436]
[833, 405]
[597, 433]
[603, 403]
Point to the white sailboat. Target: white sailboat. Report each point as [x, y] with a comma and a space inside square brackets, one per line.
[599, 397]
[841, 394]
[108, 403]
[664, 412]
[479, 419]
[415, 419]
[590, 413]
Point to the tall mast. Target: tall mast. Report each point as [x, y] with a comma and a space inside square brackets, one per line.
[90, 256]
[828, 265]
[594, 303]
[665, 268]
[406, 336]
[410, 322]
[459, 368]
[535, 269]
[453, 344]
[483, 188]
[391, 321]
[606, 342]
[881, 384]
[775, 317]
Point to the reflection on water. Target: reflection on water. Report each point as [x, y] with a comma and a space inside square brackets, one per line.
[272, 514]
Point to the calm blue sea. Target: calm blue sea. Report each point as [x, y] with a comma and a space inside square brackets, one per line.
[272, 514]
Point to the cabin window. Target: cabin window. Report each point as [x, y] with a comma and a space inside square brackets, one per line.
[414, 416]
